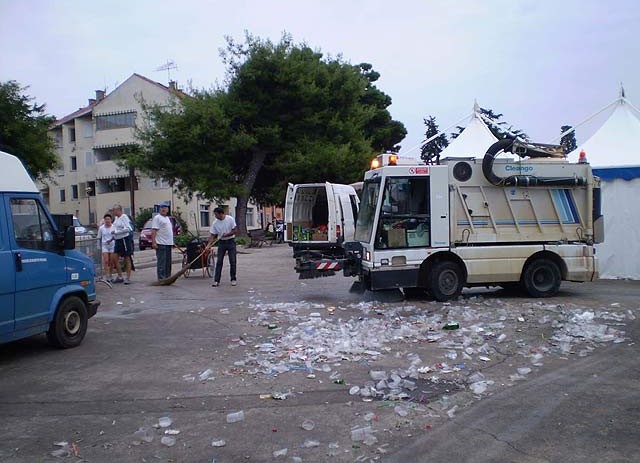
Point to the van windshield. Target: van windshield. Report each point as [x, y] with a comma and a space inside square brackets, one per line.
[367, 213]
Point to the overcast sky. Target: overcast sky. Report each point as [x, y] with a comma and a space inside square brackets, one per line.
[541, 63]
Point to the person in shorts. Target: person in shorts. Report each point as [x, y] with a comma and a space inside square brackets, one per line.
[107, 245]
[123, 235]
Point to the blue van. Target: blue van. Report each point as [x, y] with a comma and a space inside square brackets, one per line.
[46, 286]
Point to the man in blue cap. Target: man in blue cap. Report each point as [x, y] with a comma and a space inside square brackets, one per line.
[162, 240]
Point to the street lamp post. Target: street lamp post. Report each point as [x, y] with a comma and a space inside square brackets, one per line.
[89, 190]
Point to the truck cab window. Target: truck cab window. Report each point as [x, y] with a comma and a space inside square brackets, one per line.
[405, 214]
[31, 226]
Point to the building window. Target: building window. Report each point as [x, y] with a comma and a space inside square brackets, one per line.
[72, 134]
[250, 217]
[113, 185]
[116, 121]
[63, 195]
[74, 191]
[103, 155]
[204, 215]
[74, 163]
[87, 129]
[159, 183]
[89, 159]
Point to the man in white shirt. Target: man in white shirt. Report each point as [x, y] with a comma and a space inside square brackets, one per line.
[224, 230]
[162, 241]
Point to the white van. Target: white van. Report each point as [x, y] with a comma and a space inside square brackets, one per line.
[320, 216]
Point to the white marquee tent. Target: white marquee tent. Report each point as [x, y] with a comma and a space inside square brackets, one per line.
[614, 153]
[474, 140]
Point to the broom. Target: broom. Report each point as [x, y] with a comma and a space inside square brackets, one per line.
[173, 278]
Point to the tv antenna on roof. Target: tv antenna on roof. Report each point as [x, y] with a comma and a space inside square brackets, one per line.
[168, 66]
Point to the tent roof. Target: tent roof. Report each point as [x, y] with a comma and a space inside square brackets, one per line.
[474, 140]
[617, 142]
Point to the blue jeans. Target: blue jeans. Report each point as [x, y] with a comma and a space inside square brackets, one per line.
[226, 246]
[163, 254]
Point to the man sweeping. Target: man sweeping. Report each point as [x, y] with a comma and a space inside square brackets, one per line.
[224, 230]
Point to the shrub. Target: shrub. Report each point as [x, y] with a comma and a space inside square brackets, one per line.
[177, 213]
[142, 216]
[182, 239]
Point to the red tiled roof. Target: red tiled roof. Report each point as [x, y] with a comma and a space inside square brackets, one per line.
[87, 109]
[73, 115]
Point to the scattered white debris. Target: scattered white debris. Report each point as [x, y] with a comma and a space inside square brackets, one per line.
[165, 422]
[206, 375]
[280, 453]
[308, 425]
[168, 441]
[235, 417]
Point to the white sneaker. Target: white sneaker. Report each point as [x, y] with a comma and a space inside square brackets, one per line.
[215, 283]
[234, 282]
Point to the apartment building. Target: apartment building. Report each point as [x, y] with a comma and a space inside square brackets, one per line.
[90, 182]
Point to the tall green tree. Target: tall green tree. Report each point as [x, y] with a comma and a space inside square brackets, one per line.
[381, 129]
[284, 114]
[23, 129]
[499, 128]
[568, 142]
[430, 152]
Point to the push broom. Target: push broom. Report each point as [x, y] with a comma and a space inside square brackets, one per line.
[173, 278]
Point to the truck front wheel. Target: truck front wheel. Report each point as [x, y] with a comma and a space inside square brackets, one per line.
[445, 281]
[541, 278]
[69, 324]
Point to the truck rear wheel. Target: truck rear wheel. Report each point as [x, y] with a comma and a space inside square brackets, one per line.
[542, 278]
[445, 281]
[69, 324]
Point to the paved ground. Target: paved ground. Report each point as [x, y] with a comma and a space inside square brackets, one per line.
[521, 380]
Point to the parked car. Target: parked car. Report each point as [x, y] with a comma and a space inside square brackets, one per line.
[82, 232]
[144, 241]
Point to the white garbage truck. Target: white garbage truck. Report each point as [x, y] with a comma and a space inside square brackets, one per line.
[527, 222]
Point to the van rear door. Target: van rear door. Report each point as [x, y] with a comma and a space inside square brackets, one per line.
[335, 212]
[8, 280]
[288, 212]
[39, 266]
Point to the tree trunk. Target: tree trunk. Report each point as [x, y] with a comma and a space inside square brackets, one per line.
[241, 214]
[256, 163]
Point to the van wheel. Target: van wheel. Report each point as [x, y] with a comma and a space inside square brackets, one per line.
[445, 281]
[541, 278]
[70, 323]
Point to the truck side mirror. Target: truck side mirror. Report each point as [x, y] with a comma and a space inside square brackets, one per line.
[69, 240]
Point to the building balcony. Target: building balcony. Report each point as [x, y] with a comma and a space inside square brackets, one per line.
[109, 169]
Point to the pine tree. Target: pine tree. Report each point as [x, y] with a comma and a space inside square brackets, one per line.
[430, 152]
[568, 142]
[499, 129]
